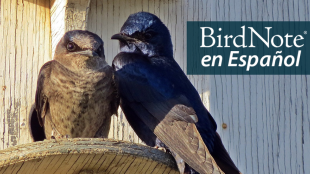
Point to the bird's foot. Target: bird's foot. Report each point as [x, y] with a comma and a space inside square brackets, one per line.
[160, 145]
[53, 135]
[160, 148]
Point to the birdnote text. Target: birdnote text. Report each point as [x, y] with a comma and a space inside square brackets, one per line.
[247, 47]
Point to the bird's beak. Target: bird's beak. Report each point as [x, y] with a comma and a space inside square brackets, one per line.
[88, 53]
[123, 37]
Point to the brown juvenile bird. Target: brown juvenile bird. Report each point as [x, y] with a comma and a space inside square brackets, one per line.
[75, 94]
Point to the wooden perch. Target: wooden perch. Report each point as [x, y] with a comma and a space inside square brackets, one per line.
[85, 155]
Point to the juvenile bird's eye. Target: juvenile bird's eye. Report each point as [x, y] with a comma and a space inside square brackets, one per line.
[71, 46]
[99, 51]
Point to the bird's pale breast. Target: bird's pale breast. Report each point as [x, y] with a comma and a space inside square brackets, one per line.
[80, 104]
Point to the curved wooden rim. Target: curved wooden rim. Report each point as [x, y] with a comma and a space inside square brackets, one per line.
[42, 149]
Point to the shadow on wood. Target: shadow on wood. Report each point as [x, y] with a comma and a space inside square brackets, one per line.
[85, 155]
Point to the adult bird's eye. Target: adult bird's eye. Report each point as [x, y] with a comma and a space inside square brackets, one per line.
[71, 46]
[149, 34]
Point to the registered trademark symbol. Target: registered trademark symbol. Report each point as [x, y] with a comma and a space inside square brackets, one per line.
[305, 32]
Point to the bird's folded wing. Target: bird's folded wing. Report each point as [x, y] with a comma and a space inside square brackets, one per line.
[169, 115]
[175, 126]
[184, 139]
[41, 100]
[137, 91]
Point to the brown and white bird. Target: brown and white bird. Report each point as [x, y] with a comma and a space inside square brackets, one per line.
[75, 94]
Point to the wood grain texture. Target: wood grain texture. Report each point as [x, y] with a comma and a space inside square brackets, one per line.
[58, 11]
[25, 47]
[267, 117]
[85, 155]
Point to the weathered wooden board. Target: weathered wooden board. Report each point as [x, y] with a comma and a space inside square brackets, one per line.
[25, 46]
[85, 155]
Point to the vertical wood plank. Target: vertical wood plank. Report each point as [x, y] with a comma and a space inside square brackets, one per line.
[25, 32]
[2, 82]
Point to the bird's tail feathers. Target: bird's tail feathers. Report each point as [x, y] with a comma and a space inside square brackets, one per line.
[222, 158]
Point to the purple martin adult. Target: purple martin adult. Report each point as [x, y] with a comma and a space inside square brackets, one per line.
[159, 101]
[76, 94]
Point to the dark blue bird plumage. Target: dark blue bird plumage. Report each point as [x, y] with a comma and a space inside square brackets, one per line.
[153, 87]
